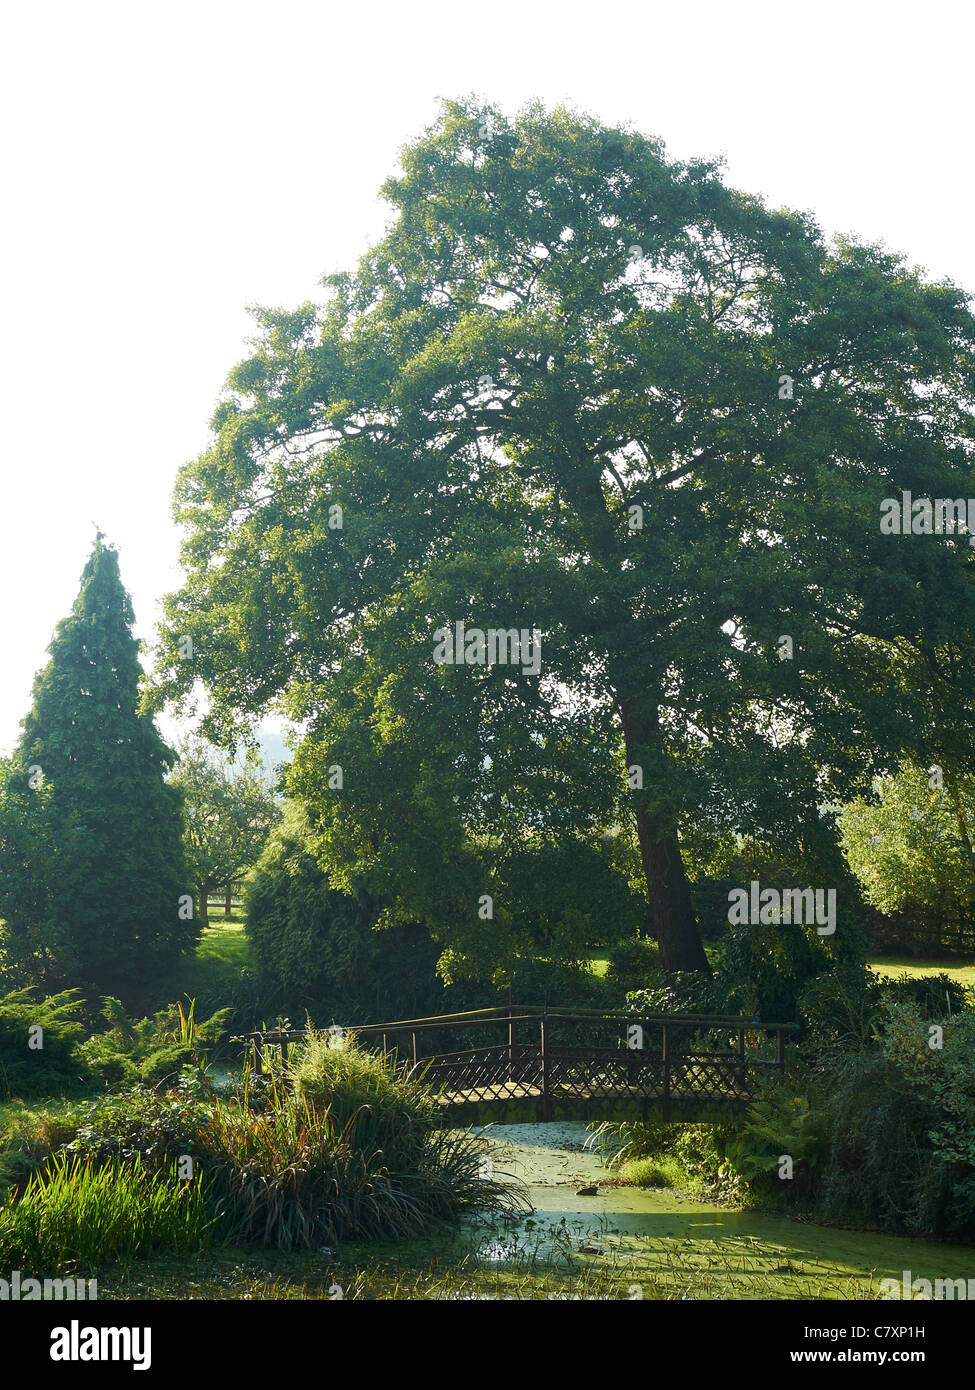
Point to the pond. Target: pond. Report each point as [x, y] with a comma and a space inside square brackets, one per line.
[653, 1244]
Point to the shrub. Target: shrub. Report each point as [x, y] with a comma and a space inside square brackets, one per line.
[875, 1152]
[54, 1067]
[139, 1125]
[364, 1098]
[664, 1171]
[764, 968]
[338, 1146]
[345, 1147]
[899, 1115]
[291, 1178]
[779, 1125]
[687, 1156]
[316, 947]
[839, 1010]
[622, 1142]
[699, 1149]
[634, 965]
[680, 991]
[934, 995]
[151, 1050]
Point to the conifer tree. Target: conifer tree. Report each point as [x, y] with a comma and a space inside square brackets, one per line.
[118, 890]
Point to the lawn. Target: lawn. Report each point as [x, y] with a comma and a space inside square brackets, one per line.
[215, 973]
[224, 943]
[888, 967]
[891, 966]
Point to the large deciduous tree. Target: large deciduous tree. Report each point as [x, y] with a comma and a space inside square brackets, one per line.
[109, 874]
[582, 388]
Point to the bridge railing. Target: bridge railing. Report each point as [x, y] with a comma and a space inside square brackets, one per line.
[547, 1053]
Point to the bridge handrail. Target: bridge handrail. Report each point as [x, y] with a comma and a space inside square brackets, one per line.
[529, 1012]
[525, 1013]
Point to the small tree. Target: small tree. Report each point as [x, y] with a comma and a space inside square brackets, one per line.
[230, 811]
[911, 847]
[316, 945]
[105, 910]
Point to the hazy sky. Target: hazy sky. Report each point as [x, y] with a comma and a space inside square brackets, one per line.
[163, 167]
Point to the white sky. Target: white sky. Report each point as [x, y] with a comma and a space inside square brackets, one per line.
[163, 167]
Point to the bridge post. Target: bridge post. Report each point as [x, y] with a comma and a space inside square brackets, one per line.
[511, 1045]
[546, 1093]
[665, 1057]
[415, 1058]
[740, 1069]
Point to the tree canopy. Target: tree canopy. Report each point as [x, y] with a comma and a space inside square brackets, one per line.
[584, 390]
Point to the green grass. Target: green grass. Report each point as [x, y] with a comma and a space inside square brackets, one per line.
[663, 1170]
[73, 1213]
[888, 967]
[214, 973]
[224, 943]
[885, 966]
[446, 1271]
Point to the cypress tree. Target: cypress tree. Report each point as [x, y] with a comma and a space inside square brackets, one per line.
[118, 914]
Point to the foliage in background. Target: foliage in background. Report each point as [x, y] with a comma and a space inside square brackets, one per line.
[34, 855]
[910, 847]
[316, 945]
[230, 811]
[151, 1050]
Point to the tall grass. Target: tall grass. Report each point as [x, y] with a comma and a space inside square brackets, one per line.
[349, 1151]
[379, 1110]
[336, 1145]
[75, 1213]
[285, 1177]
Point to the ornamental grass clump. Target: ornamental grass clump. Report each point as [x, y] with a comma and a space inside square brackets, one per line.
[388, 1113]
[75, 1213]
[346, 1148]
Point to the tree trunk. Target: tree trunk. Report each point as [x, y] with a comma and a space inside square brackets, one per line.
[673, 920]
[227, 904]
[672, 915]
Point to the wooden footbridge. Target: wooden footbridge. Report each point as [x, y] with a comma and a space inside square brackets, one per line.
[572, 1064]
